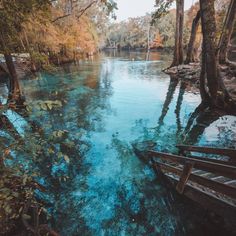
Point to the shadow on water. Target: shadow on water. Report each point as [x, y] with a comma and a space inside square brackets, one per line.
[178, 106]
[198, 122]
[169, 96]
[107, 104]
[190, 128]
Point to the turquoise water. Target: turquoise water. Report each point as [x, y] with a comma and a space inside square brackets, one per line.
[107, 105]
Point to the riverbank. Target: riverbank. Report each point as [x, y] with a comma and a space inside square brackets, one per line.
[24, 66]
[191, 74]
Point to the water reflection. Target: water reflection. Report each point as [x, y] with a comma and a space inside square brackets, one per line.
[108, 104]
[169, 96]
[199, 120]
[202, 119]
[178, 106]
[137, 55]
[3, 91]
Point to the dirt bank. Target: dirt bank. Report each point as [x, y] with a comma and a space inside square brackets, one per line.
[191, 74]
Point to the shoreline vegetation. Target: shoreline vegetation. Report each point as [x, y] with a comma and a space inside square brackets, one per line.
[37, 35]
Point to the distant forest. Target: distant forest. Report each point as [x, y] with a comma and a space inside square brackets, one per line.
[137, 33]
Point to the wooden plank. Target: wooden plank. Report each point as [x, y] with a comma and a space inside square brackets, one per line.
[224, 170]
[210, 201]
[214, 185]
[205, 174]
[184, 177]
[230, 182]
[217, 177]
[210, 150]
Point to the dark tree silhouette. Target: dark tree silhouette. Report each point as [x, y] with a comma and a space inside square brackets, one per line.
[227, 32]
[216, 94]
[169, 96]
[178, 106]
[178, 52]
[191, 57]
[199, 120]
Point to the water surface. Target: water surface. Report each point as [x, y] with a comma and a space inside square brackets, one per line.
[109, 104]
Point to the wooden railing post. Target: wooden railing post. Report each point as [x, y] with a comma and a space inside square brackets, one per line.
[188, 166]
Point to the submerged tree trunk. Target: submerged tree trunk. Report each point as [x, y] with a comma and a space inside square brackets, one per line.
[217, 93]
[191, 57]
[14, 88]
[227, 32]
[178, 53]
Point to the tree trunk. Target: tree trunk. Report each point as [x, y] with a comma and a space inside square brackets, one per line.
[148, 38]
[32, 61]
[178, 53]
[190, 53]
[227, 32]
[217, 93]
[209, 36]
[14, 88]
[203, 92]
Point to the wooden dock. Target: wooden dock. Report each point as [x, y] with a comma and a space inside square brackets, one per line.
[211, 182]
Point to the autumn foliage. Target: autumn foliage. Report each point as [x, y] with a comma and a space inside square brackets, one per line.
[157, 42]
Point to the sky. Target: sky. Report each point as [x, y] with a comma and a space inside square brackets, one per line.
[134, 8]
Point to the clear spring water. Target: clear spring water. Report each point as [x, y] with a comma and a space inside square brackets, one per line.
[108, 104]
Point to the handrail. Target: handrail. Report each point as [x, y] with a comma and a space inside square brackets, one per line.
[209, 150]
[224, 170]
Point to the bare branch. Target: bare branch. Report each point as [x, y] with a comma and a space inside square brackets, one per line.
[61, 17]
[81, 12]
[86, 8]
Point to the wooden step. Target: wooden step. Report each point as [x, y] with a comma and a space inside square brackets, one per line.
[214, 185]
[231, 182]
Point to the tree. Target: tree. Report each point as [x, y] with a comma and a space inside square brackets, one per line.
[227, 32]
[162, 9]
[178, 51]
[79, 8]
[12, 16]
[190, 57]
[216, 95]
[41, 28]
